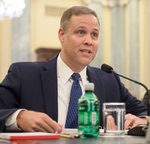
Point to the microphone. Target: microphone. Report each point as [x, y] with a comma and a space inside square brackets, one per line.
[109, 69]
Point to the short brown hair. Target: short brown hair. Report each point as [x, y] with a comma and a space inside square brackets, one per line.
[75, 10]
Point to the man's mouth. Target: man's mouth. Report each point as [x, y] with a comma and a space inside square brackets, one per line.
[86, 51]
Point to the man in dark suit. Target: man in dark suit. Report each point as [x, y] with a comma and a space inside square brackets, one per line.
[34, 96]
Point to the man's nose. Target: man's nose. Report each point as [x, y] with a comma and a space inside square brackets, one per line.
[88, 40]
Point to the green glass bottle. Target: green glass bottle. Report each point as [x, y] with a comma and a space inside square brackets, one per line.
[88, 115]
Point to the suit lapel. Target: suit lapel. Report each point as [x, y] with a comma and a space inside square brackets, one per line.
[49, 84]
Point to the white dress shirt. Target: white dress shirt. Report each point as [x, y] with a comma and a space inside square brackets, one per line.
[64, 87]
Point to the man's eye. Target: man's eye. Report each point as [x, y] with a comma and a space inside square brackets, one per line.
[81, 32]
[94, 35]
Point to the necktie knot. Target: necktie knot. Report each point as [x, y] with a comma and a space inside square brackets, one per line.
[75, 76]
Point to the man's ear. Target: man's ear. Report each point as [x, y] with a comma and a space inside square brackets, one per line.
[61, 35]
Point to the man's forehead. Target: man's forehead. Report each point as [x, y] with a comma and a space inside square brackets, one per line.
[85, 18]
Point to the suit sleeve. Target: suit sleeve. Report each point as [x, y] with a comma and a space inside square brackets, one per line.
[9, 95]
[133, 105]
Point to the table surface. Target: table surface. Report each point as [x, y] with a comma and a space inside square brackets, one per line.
[101, 140]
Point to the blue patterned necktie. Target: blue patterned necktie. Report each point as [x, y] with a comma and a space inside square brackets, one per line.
[76, 92]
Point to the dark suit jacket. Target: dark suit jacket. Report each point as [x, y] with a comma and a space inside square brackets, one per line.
[33, 86]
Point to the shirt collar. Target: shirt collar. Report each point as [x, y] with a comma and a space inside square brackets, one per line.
[64, 72]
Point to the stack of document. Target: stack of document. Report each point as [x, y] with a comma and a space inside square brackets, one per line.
[28, 135]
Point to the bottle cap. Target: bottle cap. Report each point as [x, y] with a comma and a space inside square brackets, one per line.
[89, 87]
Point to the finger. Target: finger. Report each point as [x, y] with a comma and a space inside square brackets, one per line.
[44, 127]
[111, 123]
[129, 122]
[128, 116]
[56, 127]
[39, 129]
[52, 125]
[127, 119]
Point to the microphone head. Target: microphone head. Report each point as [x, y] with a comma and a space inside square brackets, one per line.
[107, 68]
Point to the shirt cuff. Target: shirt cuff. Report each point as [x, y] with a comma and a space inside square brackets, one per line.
[147, 118]
[11, 124]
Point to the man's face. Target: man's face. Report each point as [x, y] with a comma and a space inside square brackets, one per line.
[79, 41]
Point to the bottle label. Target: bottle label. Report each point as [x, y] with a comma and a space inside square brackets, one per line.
[88, 118]
[93, 118]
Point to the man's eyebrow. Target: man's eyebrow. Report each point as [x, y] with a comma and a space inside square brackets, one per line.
[95, 29]
[82, 27]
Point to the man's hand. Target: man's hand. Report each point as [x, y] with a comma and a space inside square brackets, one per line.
[110, 122]
[31, 121]
[132, 121]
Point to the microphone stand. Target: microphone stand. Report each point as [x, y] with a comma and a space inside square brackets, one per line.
[148, 92]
